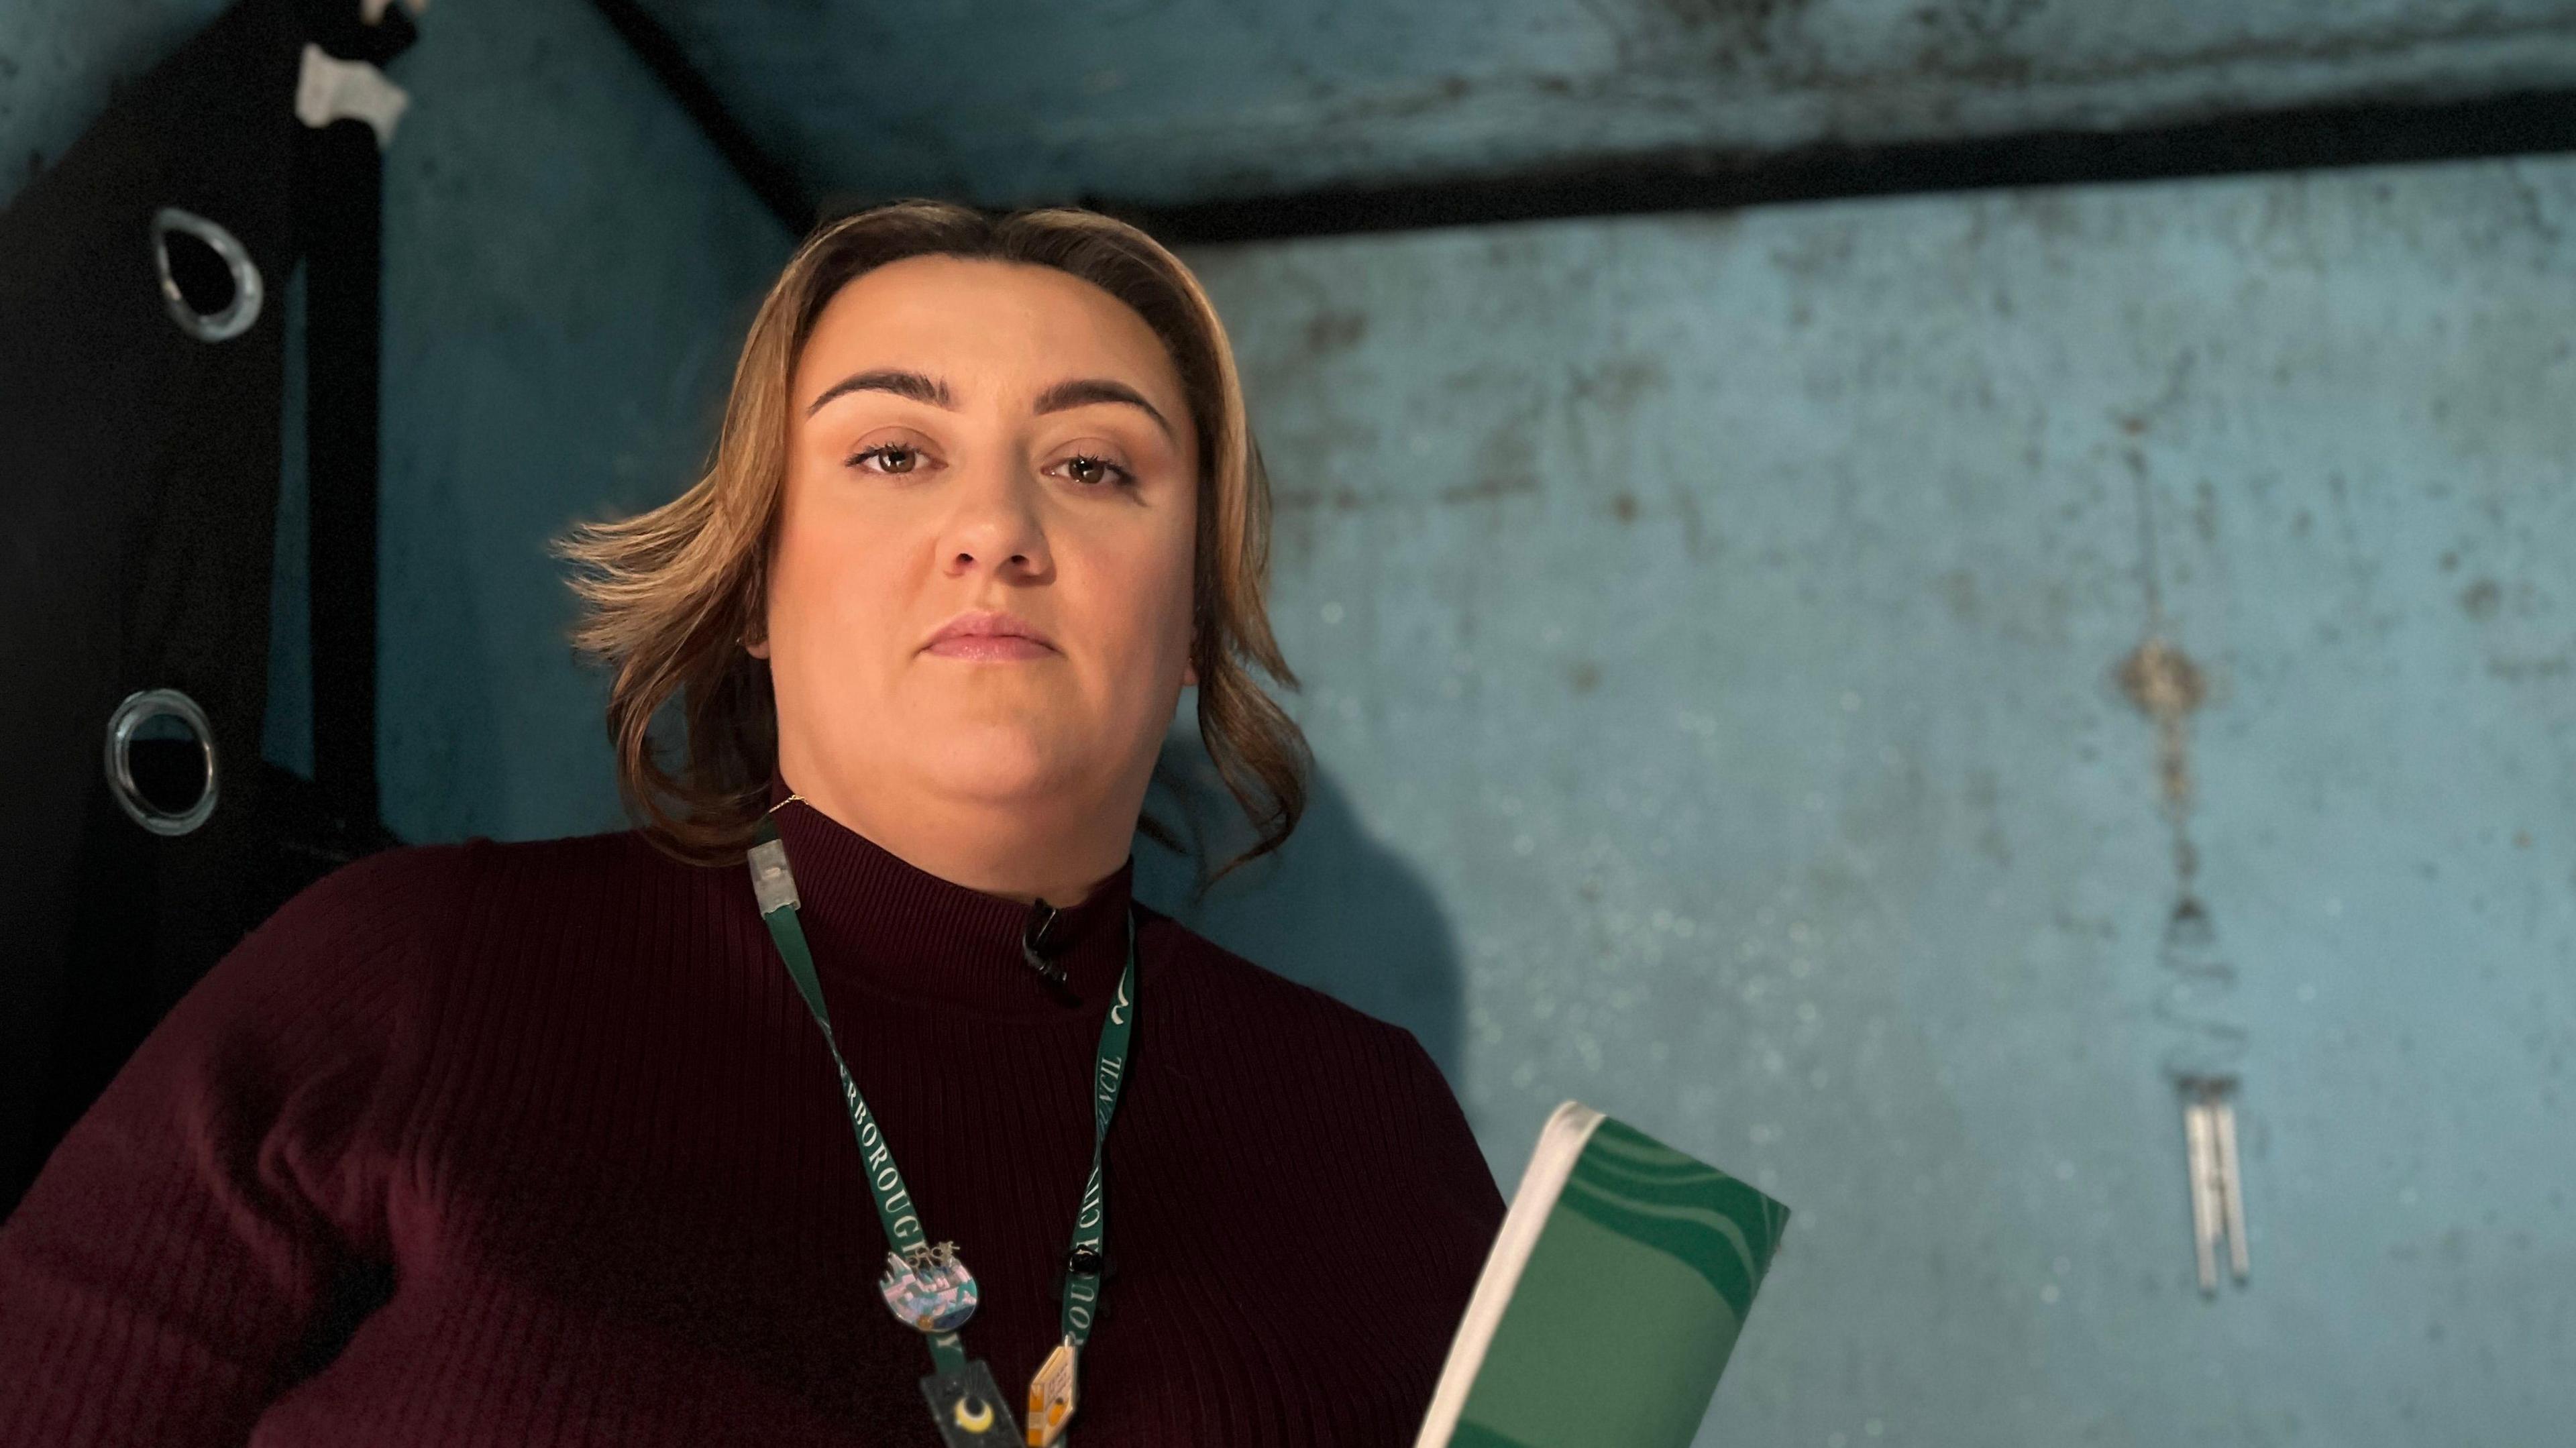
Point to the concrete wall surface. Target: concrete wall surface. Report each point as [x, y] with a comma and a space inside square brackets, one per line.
[1711, 629]
[569, 269]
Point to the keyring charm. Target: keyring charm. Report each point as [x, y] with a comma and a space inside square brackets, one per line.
[932, 1291]
[968, 1409]
[1051, 1398]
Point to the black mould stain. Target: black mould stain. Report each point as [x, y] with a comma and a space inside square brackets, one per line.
[2481, 599]
[1317, 500]
[1764, 38]
[1694, 533]
[1958, 589]
[1982, 803]
[1620, 383]
[1489, 489]
[1330, 332]
[1502, 467]
[1584, 676]
[2525, 670]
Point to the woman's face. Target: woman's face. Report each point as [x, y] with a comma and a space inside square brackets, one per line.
[982, 583]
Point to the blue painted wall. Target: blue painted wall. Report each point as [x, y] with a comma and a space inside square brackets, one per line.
[569, 268]
[1711, 628]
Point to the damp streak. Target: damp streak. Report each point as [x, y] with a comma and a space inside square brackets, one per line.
[2167, 685]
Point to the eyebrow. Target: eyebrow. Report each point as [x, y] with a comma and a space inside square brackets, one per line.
[1084, 391]
[1077, 392]
[901, 384]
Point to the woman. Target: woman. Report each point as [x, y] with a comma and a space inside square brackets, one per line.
[984, 503]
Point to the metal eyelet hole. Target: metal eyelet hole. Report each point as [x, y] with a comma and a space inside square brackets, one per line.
[161, 761]
[207, 279]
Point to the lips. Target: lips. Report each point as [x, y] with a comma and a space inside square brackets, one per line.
[989, 634]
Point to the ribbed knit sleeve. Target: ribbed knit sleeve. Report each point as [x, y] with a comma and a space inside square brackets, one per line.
[159, 1278]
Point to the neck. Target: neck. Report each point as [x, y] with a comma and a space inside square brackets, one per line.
[1054, 850]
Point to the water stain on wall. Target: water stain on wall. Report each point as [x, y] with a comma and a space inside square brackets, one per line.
[2163, 682]
[2167, 685]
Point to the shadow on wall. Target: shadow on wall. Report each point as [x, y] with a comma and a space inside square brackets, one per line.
[1332, 908]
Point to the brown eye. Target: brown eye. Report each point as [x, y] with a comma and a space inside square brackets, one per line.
[1092, 472]
[891, 457]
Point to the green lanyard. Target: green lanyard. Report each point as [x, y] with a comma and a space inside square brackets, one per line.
[925, 1284]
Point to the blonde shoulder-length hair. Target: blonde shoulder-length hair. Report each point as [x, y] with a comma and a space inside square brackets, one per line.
[671, 595]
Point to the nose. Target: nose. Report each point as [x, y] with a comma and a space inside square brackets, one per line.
[996, 526]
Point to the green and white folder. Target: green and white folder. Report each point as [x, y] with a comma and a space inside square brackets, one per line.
[1610, 1300]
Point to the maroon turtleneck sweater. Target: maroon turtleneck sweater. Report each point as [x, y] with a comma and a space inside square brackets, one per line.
[563, 1096]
